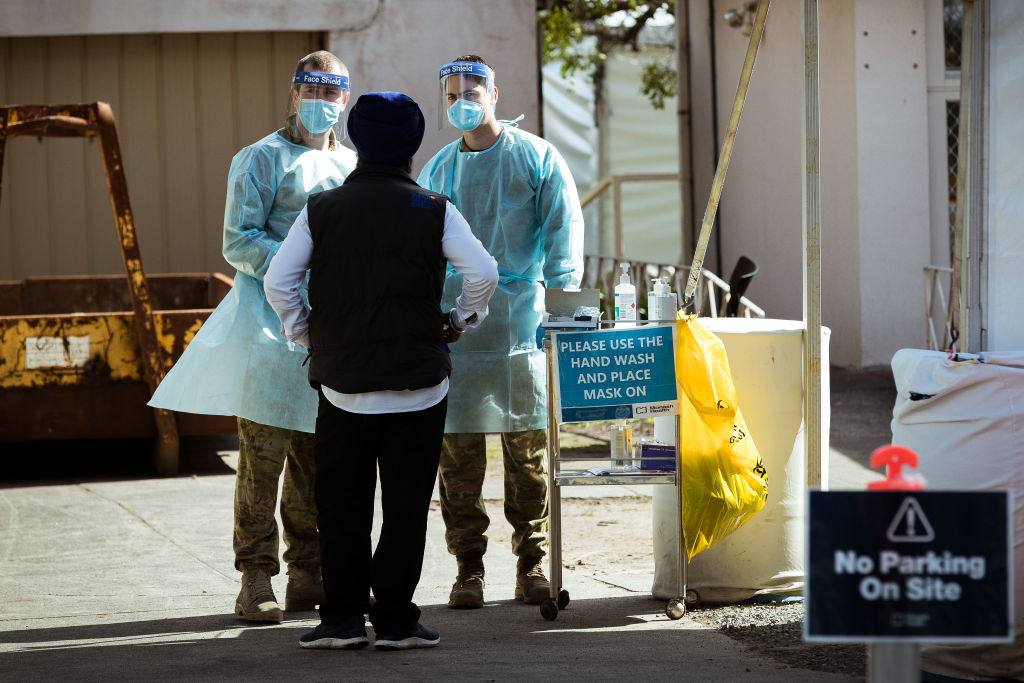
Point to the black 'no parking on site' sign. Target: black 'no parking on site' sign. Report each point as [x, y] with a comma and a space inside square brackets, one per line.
[927, 566]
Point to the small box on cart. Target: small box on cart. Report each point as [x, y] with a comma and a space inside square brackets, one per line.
[657, 457]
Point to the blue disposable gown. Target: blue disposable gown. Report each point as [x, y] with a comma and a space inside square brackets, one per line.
[239, 363]
[521, 202]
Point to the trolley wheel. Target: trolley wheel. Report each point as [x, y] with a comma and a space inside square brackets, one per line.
[675, 609]
[692, 597]
[563, 598]
[548, 609]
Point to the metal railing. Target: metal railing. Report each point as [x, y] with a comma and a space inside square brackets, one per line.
[602, 273]
[937, 313]
[615, 181]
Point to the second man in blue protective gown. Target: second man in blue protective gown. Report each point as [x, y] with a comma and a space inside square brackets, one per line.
[519, 198]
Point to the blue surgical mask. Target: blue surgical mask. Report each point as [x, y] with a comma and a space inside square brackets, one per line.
[465, 115]
[319, 115]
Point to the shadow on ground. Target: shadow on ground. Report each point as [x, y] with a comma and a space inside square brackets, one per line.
[46, 463]
[861, 410]
[597, 639]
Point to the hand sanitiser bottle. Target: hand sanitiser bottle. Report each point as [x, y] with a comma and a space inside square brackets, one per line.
[661, 302]
[625, 296]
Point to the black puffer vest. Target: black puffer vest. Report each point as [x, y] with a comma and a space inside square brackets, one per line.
[376, 277]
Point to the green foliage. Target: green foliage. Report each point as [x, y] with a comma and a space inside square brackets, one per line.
[658, 82]
[562, 34]
[566, 24]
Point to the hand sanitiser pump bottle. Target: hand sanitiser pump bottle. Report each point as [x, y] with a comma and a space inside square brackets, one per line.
[661, 302]
[625, 296]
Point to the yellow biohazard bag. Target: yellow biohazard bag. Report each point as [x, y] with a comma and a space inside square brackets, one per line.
[723, 482]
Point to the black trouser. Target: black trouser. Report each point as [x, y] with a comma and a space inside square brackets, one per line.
[350, 447]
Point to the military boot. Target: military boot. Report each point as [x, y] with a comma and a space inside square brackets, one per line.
[531, 584]
[256, 601]
[468, 590]
[305, 589]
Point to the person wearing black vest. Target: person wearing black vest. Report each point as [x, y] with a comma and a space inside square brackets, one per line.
[377, 249]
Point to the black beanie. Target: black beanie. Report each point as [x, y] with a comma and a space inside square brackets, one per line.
[385, 127]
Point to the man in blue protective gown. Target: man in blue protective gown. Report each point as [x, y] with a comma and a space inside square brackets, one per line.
[239, 363]
[518, 196]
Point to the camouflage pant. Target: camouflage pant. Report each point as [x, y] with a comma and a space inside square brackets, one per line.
[461, 478]
[263, 452]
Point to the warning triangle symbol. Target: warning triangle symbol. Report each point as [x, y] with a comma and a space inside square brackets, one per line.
[910, 524]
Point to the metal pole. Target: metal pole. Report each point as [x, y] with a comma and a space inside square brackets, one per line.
[893, 662]
[683, 108]
[666, 430]
[977, 333]
[812, 251]
[714, 124]
[617, 201]
[682, 567]
[960, 280]
[554, 495]
[723, 162]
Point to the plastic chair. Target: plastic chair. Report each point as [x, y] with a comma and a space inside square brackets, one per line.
[742, 274]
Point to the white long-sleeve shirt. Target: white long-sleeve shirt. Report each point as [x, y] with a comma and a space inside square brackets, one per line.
[287, 272]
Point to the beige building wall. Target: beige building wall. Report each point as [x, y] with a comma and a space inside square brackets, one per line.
[193, 81]
[184, 104]
[89, 17]
[874, 166]
[407, 41]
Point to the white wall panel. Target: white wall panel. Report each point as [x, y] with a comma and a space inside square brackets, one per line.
[1005, 198]
[892, 174]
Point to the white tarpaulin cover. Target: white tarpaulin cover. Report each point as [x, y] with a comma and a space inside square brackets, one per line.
[964, 418]
[633, 137]
[568, 109]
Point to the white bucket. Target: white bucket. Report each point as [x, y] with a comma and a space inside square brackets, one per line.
[766, 555]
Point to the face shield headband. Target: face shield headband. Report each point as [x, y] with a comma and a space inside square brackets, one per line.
[320, 78]
[322, 98]
[460, 103]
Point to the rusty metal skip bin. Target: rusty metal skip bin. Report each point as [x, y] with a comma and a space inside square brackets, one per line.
[80, 356]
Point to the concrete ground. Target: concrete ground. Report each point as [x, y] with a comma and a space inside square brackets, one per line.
[107, 572]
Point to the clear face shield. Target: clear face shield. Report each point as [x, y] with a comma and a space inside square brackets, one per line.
[320, 101]
[465, 96]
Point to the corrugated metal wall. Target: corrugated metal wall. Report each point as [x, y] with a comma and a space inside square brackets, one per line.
[184, 104]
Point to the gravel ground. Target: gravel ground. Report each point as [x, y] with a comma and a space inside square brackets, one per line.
[610, 537]
[775, 630]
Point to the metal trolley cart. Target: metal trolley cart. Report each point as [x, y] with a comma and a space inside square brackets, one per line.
[563, 408]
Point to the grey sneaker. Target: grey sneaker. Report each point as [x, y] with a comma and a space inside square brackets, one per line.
[348, 635]
[256, 601]
[418, 636]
